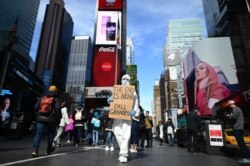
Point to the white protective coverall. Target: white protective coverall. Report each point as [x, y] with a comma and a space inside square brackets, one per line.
[122, 128]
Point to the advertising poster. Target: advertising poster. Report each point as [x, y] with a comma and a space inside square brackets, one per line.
[106, 66]
[210, 74]
[108, 27]
[110, 4]
[215, 135]
[123, 102]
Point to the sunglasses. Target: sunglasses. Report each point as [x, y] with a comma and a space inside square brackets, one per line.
[125, 79]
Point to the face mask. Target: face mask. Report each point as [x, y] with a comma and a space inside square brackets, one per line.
[125, 82]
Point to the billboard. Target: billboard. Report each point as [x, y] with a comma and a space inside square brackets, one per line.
[108, 28]
[131, 70]
[106, 66]
[110, 4]
[210, 74]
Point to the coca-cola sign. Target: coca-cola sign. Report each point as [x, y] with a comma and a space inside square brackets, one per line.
[110, 4]
[106, 66]
[107, 49]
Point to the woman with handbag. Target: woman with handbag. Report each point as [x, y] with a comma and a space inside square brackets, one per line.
[63, 122]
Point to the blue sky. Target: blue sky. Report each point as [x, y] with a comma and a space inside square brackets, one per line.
[147, 22]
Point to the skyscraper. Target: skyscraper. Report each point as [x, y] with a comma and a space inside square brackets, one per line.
[25, 11]
[79, 70]
[129, 52]
[54, 45]
[182, 33]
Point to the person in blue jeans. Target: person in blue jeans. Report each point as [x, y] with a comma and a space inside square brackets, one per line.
[110, 137]
[96, 123]
[46, 120]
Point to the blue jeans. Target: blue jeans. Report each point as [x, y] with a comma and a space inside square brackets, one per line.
[110, 138]
[241, 143]
[134, 132]
[39, 133]
[170, 139]
[95, 134]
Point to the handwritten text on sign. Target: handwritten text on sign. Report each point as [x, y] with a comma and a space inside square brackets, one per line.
[123, 102]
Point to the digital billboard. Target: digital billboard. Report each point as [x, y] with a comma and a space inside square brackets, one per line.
[106, 66]
[110, 4]
[210, 74]
[108, 28]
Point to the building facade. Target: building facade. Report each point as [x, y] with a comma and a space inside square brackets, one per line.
[54, 45]
[79, 70]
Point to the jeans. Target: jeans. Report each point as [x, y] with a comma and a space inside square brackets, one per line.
[95, 134]
[110, 138]
[134, 132]
[39, 133]
[171, 139]
[78, 133]
[241, 143]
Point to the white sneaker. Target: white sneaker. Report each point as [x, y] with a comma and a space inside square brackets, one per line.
[112, 148]
[123, 159]
[107, 148]
[244, 160]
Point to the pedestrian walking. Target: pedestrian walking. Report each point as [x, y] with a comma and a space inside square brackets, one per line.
[78, 124]
[160, 133]
[149, 126]
[121, 127]
[96, 126]
[170, 132]
[238, 128]
[64, 121]
[193, 128]
[48, 115]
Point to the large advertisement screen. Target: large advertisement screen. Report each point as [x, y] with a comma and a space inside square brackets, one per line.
[110, 4]
[108, 28]
[210, 74]
[106, 66]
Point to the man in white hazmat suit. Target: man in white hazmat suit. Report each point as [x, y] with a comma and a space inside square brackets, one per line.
[122, 128]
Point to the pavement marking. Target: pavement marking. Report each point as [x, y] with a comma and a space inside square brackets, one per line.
[52, 155]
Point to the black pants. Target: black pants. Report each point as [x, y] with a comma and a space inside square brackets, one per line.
[192, 143]
[149, 137]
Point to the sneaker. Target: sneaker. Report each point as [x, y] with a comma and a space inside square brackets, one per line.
[34, 154]
[244, 160]
[112, 148]
[58, 145]
[133, 150]
[123, 159]
[68, 142]
[77, 145]
[107, 148]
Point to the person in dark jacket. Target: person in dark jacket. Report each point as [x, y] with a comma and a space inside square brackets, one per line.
[46, 120]
[193, 128]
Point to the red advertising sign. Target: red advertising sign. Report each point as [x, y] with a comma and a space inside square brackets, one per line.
[110, 4]
[106, 66]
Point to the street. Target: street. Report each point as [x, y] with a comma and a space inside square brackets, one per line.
[18, 152]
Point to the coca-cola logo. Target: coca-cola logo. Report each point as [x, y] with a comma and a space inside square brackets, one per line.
[107, 49]
[106, 66]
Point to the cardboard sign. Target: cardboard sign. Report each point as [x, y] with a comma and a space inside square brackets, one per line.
[122, 105]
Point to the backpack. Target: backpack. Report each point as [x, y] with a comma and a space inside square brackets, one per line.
[46, 104]
[78, 115]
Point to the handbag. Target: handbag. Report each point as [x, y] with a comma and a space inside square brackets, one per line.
[70, 126]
